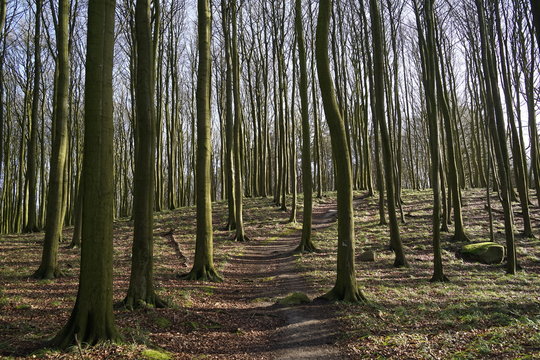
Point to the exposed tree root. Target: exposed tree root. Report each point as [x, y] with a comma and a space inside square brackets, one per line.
[461, 237]
[400, 263]
[439, 278]
[82, 328]
[47, 273]
[204, 273]
[348, 294]
[151, 301]
[305, 248]
[243, 238]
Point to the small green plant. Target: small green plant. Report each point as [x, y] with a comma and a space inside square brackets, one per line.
[162, 322]
[151, 354]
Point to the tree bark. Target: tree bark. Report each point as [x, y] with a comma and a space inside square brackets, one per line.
[31, 224]
[203, 266]
[49, 267]
[306, 243]
[92, 319]
[378, 67]
[346, 286]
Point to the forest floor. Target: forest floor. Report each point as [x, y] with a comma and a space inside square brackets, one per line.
[481, 313]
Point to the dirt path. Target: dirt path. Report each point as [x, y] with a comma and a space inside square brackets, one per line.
[268, 266]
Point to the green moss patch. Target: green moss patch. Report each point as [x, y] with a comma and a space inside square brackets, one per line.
[484, 252]
[151, 354]
[296, 298]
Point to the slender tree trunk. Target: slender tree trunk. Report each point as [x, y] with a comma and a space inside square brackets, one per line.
[292, 159]
[31, 224]
[378, 67]
[238, 181]
[518, 156]
[2, 57]
[203, 265]
[141, 283]
[306, 243]
[49, 267]
[536, 18]
[428, 55]
[346, 286]
[496, 126]
[229, 120]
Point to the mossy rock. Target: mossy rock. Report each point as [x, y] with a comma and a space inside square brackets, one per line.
[368, 256]
[484, 252]
[296, 298]
[150, 354]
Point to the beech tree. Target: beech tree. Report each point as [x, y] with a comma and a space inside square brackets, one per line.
[426, 39]
[346, 286]
[92, 320]
[141, 286]
[56, 198]
[306, 243]
[31, 222]
[203, 266]
[395, 239]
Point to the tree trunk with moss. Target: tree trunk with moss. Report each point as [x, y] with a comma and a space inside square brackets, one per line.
[306, 243]
[203, 265]
[92, 319]
[346, 286]
[378, 70]
[49, 267]
[141, 283]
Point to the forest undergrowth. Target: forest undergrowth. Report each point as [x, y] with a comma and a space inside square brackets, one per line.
[481, 313]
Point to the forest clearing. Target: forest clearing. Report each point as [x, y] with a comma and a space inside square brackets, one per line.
[481, 313]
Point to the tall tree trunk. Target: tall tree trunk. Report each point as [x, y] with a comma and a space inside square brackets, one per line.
[238, 182]
[49, 268]
[306, 243]
[292, 159]
[31, 224]
[378, 69]
[92, 319]
[2, 57]
[229, 119]
[346, 286]
[497, 130]
[520, 168]
[203, 265]
[427, 46]
[141, 283]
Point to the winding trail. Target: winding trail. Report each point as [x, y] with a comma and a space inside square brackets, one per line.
[268, 267]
